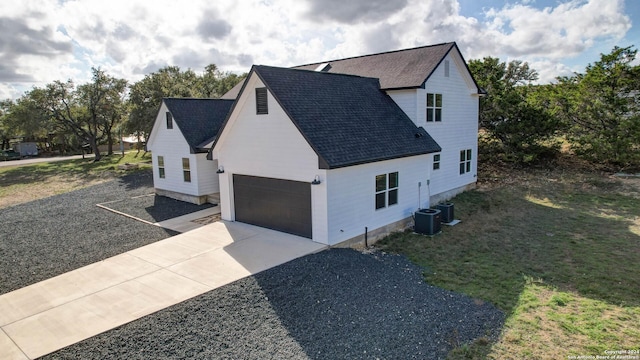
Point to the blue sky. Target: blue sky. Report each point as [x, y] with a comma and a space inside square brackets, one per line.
[46, 40]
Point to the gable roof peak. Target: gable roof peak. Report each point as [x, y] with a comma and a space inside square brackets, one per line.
[199, 120]
[346, 119]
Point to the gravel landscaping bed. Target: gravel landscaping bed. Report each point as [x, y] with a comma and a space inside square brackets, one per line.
[336, 304]
[48, 237]
[154, 208]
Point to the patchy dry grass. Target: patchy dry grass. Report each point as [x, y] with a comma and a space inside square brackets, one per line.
[21, 184]
[557, 250]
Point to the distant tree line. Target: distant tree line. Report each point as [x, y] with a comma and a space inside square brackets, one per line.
[595, 114]
[65, 117]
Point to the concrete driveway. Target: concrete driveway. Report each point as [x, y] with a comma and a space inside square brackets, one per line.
[63, 310]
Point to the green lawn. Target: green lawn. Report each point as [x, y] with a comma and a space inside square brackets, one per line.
[27, 183]
[558, 251]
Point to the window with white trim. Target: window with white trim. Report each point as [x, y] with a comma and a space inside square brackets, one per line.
[161, 167]
[465, 161]
[386, 190]
[434, 107]
[169, 120]
[436, 161]
[186, 170]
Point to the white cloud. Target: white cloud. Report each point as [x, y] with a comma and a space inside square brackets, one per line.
[564, 31]
[130, 38]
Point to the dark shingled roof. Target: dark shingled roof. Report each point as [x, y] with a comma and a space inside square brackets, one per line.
[199, 120]
[346, 119]
[400, 69]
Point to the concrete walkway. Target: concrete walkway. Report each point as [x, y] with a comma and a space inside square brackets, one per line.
[63, 310]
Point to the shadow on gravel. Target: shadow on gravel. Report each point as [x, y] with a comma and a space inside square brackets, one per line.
[154, 208]
[136, 180]
[344, 304]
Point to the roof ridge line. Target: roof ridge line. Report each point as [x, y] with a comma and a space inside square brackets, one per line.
[375, 54]
[320, 72]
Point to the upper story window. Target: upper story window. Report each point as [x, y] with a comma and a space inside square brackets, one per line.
[436, 161]
[465, 161]
[161, 167]
[262, 105]
[386, 190]
[186, 170]
[446, 68]
[169, 120]
[434, 107]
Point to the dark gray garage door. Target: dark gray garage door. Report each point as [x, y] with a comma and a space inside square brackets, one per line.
[282, 205]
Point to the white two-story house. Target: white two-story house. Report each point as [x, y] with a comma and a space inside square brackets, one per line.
[343, 149]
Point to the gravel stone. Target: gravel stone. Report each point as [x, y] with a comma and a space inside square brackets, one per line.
[48, 237]
[336, 304]
[155, 208]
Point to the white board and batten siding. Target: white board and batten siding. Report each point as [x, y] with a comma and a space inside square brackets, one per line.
[270, 146]
[458, 129]
[351, 196]
[172, 146]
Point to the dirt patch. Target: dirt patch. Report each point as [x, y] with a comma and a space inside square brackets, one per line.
[24, 193]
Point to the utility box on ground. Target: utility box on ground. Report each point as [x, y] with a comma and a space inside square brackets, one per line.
[446, 209]
[427, 221]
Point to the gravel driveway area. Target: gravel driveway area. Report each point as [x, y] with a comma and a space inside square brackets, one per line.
[336, 304]
[48, 237]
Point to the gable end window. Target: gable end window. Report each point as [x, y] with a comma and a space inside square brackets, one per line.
[186, 170]
[386, 190]
[262, 105]
[446, 68]
[169, 120]
[436, 161]
[434, 107]
[161, 167]
[465, 161]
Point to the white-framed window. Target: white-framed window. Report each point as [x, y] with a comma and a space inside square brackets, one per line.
[434, 107]
[161, 173]
[186, 170]
[465, 161]
[386, 190]
[169, 120]
[262, 103]
[436, 161]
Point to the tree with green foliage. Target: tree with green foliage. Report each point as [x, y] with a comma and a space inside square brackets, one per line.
[602, 109]
[512, 112]
[104, 101]
[5, 129]
[215, 83]
[89, 111]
